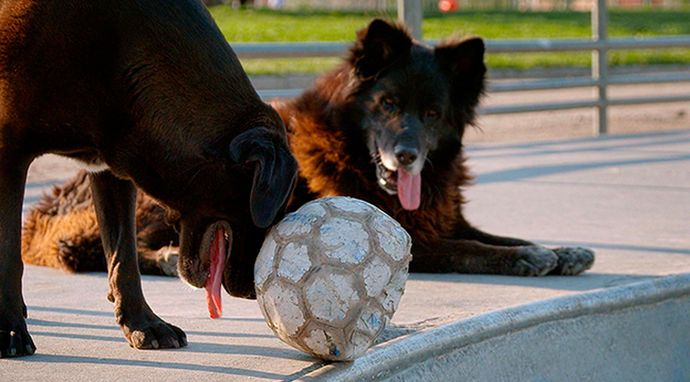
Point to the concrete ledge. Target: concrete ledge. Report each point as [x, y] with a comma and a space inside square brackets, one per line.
[635, 332]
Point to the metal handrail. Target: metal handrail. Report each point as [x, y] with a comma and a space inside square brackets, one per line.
[540, 84]
[600, 44]
[338, 49]
[289, 49]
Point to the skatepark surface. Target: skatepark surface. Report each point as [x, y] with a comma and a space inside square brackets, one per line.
[625, 196]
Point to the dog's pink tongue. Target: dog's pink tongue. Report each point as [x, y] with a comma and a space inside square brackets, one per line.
[215, 274]
[409, 189]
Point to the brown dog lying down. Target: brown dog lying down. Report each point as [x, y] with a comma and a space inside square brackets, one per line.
[151, 94]
[386, 127]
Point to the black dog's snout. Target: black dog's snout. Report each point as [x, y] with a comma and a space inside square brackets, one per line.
[406, 155]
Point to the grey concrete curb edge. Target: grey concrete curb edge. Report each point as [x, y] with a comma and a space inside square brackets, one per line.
[400, 353]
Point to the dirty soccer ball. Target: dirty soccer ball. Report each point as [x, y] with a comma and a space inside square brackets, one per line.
[330, 276]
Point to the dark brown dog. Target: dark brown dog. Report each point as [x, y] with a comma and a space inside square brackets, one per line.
[150, 92]
[395, 109]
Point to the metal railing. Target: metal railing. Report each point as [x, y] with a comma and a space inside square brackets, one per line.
[409, 11]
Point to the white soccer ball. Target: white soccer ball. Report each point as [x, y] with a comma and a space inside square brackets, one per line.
[330, 276]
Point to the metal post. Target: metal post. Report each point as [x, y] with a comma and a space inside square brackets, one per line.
[410, 13]
[600, 64]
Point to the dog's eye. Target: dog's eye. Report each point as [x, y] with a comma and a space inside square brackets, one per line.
[389, 105]
[431, 114]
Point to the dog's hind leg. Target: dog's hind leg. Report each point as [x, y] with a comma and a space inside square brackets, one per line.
[114, 199]
[15, 340]
[159, 262]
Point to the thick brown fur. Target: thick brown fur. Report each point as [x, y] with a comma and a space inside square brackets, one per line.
[333, 148]
[61, 231]
[150, 93]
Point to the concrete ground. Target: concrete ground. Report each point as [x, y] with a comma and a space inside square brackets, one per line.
[625, 196]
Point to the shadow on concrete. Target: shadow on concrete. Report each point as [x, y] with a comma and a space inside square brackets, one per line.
[228, 335]
[57, 359]
[75, 325]
[39, 322]
[593, 147]
[262, 351]
[54, 309]
[76, 336]
[194, 346]
[615, 246]
[676, 136]
[584, 282]
[529, 172]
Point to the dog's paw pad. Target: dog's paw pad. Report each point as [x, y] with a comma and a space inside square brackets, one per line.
[534, 260]
[573, 260]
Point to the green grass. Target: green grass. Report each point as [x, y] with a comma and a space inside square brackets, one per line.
[249, 25]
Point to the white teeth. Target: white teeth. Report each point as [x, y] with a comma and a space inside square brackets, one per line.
[388, 161]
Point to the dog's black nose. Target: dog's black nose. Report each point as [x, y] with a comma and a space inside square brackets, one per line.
[406, 155]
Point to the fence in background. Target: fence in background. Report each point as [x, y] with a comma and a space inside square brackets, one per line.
[433, 5]
[410, 12]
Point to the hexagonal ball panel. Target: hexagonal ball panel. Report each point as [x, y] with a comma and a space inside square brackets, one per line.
[263, 267]
[393, 239]
[295, 224]
[294, 262]
[376, 275]
[331, 295]
[351, 205]
[345, 240]
[281, 304]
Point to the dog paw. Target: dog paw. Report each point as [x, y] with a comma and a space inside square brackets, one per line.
[151, 332]
[573, 260]
[167, 260]
[15, 340]
[534, 260]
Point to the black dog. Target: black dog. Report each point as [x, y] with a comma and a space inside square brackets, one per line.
[150, 93]
[386, 126]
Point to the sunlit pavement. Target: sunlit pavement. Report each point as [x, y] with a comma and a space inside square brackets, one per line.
[627, 197]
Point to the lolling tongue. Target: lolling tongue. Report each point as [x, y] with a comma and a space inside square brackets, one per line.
[215, 274]
[409, 189]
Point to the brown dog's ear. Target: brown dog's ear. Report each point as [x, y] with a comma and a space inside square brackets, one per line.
[378, 46]
[274, 174]
[463, 58]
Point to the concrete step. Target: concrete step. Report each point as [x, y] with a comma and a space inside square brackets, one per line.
[636, 332]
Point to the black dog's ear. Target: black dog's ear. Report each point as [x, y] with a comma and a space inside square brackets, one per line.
[274, 174]
[463, 58]
[463, 61]
[378, 46]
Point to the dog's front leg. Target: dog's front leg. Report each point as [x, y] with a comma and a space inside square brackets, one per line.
[15, 340]
[115, 199]
[471, 256]
[571, 260]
